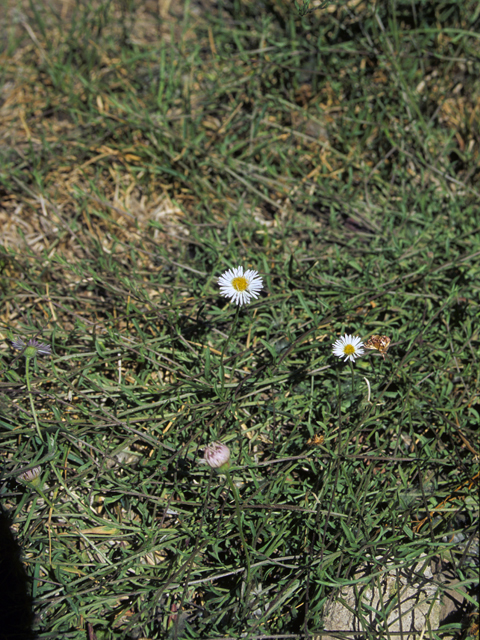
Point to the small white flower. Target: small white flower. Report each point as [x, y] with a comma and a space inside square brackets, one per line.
[349, 347]
[239, 286]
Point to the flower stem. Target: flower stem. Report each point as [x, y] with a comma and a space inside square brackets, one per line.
[222, 368]
[353, 377]
[240, 528]
[339, 396]
[27, 376]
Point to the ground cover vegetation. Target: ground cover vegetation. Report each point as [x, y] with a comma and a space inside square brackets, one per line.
[145, 149]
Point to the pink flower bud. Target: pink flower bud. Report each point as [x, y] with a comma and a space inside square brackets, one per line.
[217, 456]
[32, 476]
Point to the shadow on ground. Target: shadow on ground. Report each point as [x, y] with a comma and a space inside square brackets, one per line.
[16, 615]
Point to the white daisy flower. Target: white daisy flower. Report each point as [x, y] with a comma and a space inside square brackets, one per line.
[349, 347]
[239, 286]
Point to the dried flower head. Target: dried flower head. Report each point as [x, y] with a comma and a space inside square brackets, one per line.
[240, 286]
[31, 476]
[217, 456]
[348, 347]
[32, 349]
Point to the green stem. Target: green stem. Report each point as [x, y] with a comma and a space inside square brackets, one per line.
[222, 368]
[240, 528]
[340, 443]
[353, 377]
[339, 397]
[27, 376]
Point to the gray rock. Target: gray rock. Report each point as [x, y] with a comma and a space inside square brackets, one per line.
[387, 600]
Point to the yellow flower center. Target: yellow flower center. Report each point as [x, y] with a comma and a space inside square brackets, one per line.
[349, 350]
[240, 283]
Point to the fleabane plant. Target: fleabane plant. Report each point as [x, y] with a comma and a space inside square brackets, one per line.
[348, 347]
[217, 456]
[240, 286]
[30, 350]
[31, 476]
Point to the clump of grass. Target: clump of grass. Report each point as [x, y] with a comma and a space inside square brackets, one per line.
[335, 153]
